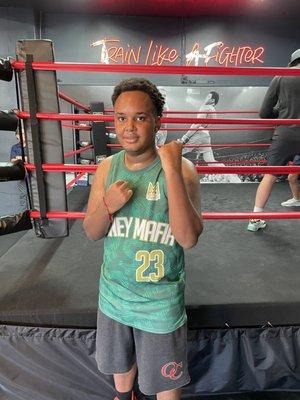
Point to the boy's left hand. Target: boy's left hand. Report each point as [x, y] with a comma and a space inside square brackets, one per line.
[170, 155]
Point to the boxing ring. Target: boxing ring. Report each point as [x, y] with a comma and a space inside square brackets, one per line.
[242, 290]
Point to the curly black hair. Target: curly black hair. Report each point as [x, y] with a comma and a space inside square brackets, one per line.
[143, 85]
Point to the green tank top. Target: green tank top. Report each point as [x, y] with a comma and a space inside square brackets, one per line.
[142, 276]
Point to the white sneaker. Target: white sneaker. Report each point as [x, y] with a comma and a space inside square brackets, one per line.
[291, 203]
[255, 225]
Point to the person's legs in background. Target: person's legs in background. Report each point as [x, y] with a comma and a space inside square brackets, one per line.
[278, 154]
[262, 195]
[263, 191]
[295, 188]
[294, 185]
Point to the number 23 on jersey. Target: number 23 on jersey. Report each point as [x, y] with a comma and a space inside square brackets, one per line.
[148, 258]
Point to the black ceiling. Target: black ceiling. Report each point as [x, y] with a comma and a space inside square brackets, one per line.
[168, 8]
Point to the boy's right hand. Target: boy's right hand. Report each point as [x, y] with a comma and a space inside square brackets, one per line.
[117, 195]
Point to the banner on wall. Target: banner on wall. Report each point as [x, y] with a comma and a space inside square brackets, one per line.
[114, 51]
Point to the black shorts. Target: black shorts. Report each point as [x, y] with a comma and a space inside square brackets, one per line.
[161, 358]
[282, 150]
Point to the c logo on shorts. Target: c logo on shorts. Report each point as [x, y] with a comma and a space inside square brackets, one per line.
[170, 370]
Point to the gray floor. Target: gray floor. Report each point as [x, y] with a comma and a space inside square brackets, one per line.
[228, 266]
[227, 252]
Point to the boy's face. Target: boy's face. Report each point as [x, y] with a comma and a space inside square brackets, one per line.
[135, 121]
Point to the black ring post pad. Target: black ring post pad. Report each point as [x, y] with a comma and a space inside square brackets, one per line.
[8, 121]
[12, 171]
[6, 71]
[50, 136]
[15, 223]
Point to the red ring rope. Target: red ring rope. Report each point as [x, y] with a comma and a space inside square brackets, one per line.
[75, 180]
[235, 162]
[78, 127]
[75, 102]
[173, 70]
[162, 69]
[246, 128]
[214, 121]
[206, 215]
[82, 150]
[249, 170]
[115, 145]
[201, 169]
[111, 110]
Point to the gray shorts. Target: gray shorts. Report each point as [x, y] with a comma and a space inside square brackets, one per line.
[282, 150]
[161, 358]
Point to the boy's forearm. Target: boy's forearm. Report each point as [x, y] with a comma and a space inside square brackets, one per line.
[97, 223]
[185, 220]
